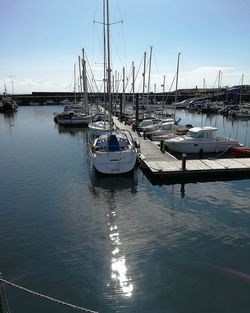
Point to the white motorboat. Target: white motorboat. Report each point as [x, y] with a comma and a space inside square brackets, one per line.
[161, 127]
[165, 129]
[200, 140]
[148, 123]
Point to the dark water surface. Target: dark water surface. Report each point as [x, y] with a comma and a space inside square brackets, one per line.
[116, 244]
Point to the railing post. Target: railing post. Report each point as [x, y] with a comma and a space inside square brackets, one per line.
[162, 146]
[184, 158]
[137, 111]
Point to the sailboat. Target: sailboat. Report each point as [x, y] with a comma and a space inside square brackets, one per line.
[101, 122]
[78, 114]
[7, 104]
[113, 151]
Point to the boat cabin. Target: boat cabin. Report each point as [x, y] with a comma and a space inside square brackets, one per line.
[201, 132]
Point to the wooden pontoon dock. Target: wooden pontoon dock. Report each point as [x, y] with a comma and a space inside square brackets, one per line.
[165, 167]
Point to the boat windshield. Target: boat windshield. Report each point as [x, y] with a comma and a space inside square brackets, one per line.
[200, 134]
[192, 134]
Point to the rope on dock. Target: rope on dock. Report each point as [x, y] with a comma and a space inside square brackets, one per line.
[218, 155]
[47, 297]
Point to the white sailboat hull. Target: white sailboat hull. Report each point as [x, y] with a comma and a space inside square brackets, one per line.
[114, 152]
[98, 128]
[114, 162]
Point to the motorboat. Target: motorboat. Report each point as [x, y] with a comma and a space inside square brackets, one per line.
[169, 131]
[200, 140]
[159, 128]
[114, 152]
[148, 123]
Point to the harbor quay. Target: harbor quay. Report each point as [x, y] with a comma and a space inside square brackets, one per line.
[235, 95]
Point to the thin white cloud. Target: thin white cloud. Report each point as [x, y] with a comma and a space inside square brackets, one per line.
[211, 69]
[28, 85]
[187, 79]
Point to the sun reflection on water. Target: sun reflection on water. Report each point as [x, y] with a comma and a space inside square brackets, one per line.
[119, 271]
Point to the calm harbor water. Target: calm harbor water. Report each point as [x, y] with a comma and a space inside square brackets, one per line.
[116, 244]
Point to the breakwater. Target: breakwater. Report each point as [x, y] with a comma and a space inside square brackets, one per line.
[53, 98]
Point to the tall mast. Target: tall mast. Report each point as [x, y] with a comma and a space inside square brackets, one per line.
[123, 85]
[117, 84]
[113, 83]
[176, 82]
[143, 75]
[242, 77]
[74, 83]
[80, 74]
[5, 89]
[149, 73]
[133, 83]
[163, 85]
[219, 84]
[104, 56]
[204, 84]
[12, 83]
[85, 85]
[109, 66]
[221, 79]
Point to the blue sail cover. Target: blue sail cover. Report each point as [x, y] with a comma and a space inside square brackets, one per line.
[113, 143]
[234, 90]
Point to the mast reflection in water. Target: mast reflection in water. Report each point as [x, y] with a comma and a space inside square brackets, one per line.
[119, 269]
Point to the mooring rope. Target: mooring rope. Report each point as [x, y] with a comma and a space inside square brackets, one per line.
[218, 155]
[47, 297]
[3, 300]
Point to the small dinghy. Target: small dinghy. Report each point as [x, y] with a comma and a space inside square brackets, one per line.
[240, 151]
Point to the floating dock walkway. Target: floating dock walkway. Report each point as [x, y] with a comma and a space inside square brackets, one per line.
[165, 167]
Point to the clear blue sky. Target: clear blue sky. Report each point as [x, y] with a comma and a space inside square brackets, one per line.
[41, 40]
